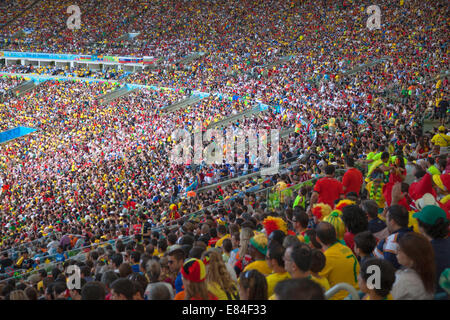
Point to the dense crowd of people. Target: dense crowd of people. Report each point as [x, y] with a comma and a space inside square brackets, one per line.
[95, 186]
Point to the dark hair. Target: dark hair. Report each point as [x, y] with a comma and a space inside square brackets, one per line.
[123, 286]
[301, 255]
[117, 259]
[326, 233]
[196, 252]
[93, 290]
[162, 243]
[277, 236]
[221, 229]
[387, 273]
[385, 155]
[276, 251]
[311, 233]
[31, 293]
[350, 161]
[137, 287]
[125, 270]
[159, 292]
[213, 233]
[437, 231]
[318, 261]
[370, 207]
[187, 239]
[177, 254]
[399, 214]
[172, 238]
[257, 283]
[330, 169]
[355, 219]
[227, 245]
[299, 289]
[85, 271]
[365, 241]
[109, 277]
[302, 218]
[421, 252]
[59, 287]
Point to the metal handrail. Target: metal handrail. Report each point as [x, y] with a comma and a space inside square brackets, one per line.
[342, 286]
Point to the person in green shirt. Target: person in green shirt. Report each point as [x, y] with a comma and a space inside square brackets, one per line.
[432, 169]
[300, 200]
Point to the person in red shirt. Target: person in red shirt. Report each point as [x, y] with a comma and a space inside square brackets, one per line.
[352, 179]
[327, 189]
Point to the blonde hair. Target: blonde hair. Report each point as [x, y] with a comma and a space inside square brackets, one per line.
[195, 290]
[216, 272]
[246, 235]
[18, 295]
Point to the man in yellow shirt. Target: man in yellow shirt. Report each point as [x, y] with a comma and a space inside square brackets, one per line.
[441, 139]
[222, 234]
[258, 251]
[275, 261]
[341, 264]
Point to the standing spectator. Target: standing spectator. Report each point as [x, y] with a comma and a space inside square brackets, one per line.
[397, 219]
[433, 224]
[300, 220]
[417, 279]
[252, 285]
[326, 190]
[341, 264]
[275, 260]
[352, 179]
[386, 280]
[107, 279]
[318, 261]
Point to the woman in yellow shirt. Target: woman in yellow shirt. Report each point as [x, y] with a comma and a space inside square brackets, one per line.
[218, 279]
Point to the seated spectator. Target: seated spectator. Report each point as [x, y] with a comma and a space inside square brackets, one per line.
[153, 268]
[318, 261]
[218, 279]
[433, 224]
[341, 264]
[377, 289]
[397, 219]
[365, 243]
[299, 289]
[258, 251]
[355, 221]
[195, 288]
[252, 285]
[275, 260]
[122, 289]
[376, 225]
[93, 290]
[416, 280]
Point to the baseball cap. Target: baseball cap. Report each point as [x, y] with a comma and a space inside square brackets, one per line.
[194, 270]
[429, 214]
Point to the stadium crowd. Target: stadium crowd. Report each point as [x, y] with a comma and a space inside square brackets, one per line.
[98, 177]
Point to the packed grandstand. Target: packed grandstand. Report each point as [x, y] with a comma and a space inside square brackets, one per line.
[91, 195]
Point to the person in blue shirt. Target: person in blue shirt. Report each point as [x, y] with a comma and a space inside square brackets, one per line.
[60, 256]
[175, 261]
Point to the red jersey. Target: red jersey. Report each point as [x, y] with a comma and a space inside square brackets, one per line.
[329, 189]
[352, 181]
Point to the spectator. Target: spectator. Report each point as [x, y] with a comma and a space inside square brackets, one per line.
[252, 285]
[365, 243]
[300, 221]
[175, 262]
[355, 221]
[107, 279]
[397, 219]
[93, 290]
[433, 224]
[218, 279]
[195, 288]
[352, 179]
[318, 261]
[341, 264]
[122, 289]
[417, 279]
[275, 255]
[385, 282]
[376, 225]
[153, 268]
[326, 190]
[18, 295]
[258, 251]
[299, 289]
[159, 292]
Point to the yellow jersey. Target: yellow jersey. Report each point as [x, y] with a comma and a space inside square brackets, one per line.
[440, 139]
[273, 279]
[220, 241]
[260, 265]
[341, 266]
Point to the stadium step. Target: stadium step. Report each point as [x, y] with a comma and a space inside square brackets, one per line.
[23, 88]
[182, 104]
[224, 122]
[107, 98]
